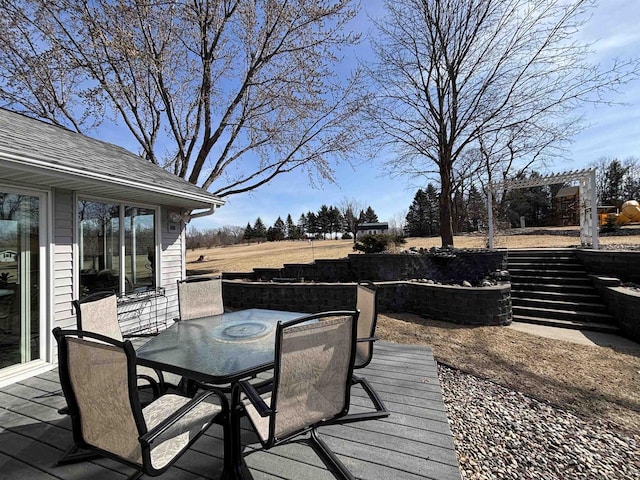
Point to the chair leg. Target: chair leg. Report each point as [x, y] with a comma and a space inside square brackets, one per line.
[380, 408]
[75, 454]
[325, 452]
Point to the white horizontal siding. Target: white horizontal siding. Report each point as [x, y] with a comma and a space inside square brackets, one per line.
[62, 282]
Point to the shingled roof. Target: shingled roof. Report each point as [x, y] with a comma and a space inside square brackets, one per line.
[37, 154]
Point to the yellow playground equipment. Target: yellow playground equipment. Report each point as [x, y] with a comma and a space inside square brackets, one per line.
[630, 212]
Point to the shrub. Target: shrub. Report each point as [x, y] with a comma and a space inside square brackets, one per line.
[378, 243]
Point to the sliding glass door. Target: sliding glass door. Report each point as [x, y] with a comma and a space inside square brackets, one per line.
[20, 278]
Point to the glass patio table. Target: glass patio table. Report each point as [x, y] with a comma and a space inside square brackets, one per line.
[219, 349]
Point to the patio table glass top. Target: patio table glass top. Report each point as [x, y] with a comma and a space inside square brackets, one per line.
[217, 349]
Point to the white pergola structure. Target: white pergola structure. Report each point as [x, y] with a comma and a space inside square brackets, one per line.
[588, 200]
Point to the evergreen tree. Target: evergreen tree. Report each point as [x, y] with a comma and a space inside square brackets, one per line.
[432, 210]
[303, 226]
[370, 216]
[312, 224]
[614, 184]
[259, 229]
[422, 218]
[277, 232]
[416, 225]
[292, 229]
[249, 233]
[533, 203]
[323, 221]
[336, 221]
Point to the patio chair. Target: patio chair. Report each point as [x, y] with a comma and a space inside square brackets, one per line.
[200, 297]
[97, 374]
[98, 313]
[367, 304]
[310, 385]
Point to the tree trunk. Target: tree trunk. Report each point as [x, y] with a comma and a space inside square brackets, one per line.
[446, 226]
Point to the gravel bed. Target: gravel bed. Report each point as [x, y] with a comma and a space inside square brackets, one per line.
[503, 434]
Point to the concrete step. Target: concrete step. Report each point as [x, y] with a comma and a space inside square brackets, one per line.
[539, 252]
[548, 272]
[573, 324]
[523, 285]
[551, 295]
[557, 314]
[543, 258]
[528, 264]
[564, 304]
[537, 262]
[551, 280]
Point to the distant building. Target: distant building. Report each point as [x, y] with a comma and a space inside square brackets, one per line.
[372, 229]
[567, 206]
[8, 256]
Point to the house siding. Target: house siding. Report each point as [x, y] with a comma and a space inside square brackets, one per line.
[62, 285]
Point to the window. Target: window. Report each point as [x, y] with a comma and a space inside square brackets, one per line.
[115, 239]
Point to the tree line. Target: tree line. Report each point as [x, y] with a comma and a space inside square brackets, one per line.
[328, 221]
[616, 182]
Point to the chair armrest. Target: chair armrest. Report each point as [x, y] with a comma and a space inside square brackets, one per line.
[256, 400]
[148, 438]
[366, 339]
[152, 383]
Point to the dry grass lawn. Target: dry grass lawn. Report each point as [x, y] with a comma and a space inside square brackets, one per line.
[595, 382]
[242, 258]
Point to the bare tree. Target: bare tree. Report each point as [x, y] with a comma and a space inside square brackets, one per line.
[398, 223]
[227, 94]
[351, 211]
[499, 76]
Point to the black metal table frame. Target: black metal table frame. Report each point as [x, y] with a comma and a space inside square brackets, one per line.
[150, 355]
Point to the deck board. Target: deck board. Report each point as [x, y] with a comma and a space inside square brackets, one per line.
[414, 442]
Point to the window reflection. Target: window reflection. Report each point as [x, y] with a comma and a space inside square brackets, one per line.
[98, 242]
[19, 279]
[99, 246]
[140, 245]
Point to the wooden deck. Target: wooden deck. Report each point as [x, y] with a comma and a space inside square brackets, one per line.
[413, 443]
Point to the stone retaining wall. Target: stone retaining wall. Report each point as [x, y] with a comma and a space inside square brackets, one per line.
[470, 265]
[461, 305]
[623, 303]
[623, 264]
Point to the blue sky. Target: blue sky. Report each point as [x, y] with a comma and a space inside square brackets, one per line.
[611, 131]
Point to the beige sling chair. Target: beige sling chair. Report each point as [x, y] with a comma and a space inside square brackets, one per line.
[98, 378]
[367, 304]
[200, 297]
[98, 313]
[310, 385]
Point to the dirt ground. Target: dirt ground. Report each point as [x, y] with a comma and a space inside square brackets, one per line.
[598, 383]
